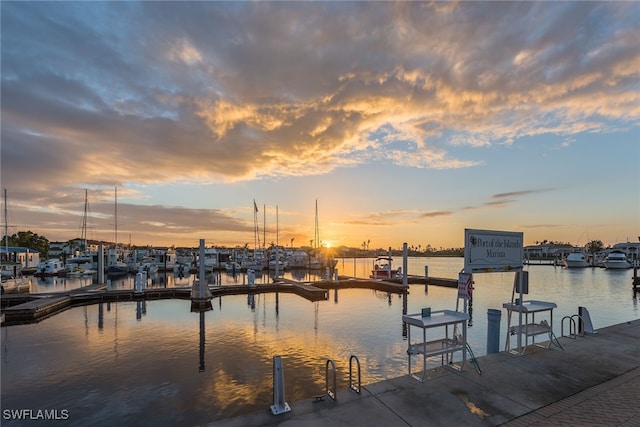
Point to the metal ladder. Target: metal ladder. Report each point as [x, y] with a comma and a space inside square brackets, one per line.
[331, 386]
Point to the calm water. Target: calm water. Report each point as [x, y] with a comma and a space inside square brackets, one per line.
[156, 363]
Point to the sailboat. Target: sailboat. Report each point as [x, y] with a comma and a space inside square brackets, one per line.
[256, 261]
[320, 257]
[84, 262]
[116, 267]
[13, 282]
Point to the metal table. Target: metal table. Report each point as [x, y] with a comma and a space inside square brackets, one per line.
[445, 346]
[529, 328]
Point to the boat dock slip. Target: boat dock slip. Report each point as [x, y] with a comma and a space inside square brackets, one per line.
[345, 282]
[29, 308]
[36, 309]
[595, 380]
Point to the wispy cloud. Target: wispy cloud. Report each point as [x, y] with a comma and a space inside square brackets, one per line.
[520, 193]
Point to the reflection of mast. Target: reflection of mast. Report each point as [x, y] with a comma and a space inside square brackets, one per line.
[115, 344]
[6, 227]
[201, 367]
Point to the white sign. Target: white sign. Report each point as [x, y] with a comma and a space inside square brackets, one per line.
[465, 285]
[492, 251]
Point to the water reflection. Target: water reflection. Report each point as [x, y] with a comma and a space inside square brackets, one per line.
[202, 334]
[130, 363]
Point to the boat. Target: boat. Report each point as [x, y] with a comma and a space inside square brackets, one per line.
[10, 269]
[148, 265]
[298, 259]
[115, 266]
[50, 267]
[382, 269]
[117, 269]
[15, 285]
[617, 260]
[576, 259]
[11, 281]
[232, 266]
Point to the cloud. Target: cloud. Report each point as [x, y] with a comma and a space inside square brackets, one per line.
[104, 94]
[520, 193]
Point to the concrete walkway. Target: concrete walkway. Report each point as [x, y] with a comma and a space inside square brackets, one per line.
[592, 381]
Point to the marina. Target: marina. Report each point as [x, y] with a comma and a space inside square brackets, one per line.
[215, 365]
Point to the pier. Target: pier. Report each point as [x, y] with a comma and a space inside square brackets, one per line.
[29, 308]
[592, 380]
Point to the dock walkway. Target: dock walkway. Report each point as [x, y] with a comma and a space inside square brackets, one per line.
[593, 380]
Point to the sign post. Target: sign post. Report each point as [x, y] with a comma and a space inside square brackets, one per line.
[488, 251]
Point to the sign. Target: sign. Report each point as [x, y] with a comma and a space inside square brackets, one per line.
[492, 251]
[465, 285]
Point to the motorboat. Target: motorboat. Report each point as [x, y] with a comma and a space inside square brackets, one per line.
[617, 260]
[576, 259]
[50, 267]
[382, 269]
[10, 269]
[298, 259]
[15, 285]
[232, 266]
[117, 269]
[147, 264]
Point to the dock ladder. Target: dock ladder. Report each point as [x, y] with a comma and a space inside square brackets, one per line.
[331, 392]
[355, 388]
[330, 388]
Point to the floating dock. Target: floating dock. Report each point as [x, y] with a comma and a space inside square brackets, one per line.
[29, 308]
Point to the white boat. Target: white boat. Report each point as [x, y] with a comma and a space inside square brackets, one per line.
[15, 285]
[182, 269]
[382, 269]
[115, 266]
[148, 265]
[10, 269]
[166, 259]
[232, 266]
[617, 260]
[298, 259]
[50, 267]
[12, 280]
[576, 259]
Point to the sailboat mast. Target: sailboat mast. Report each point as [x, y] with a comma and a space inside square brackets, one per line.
[116, 219]
[6, 226]
[256, 232]
[84, 220]
[316, 236]
[264, 225]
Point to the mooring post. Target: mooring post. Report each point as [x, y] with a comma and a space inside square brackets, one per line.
[100, 264]
[251, 277]
[493, 330]
[201, 275]
[405, 256]
[426, 278]
[280, 406]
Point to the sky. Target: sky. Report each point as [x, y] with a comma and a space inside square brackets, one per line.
[402, 121]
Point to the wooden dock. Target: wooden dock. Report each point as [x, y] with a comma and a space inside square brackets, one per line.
[29, 308]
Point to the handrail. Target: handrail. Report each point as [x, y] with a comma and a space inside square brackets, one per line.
[351, 386]
[573, 330]
[331, 393]
[572, 327]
